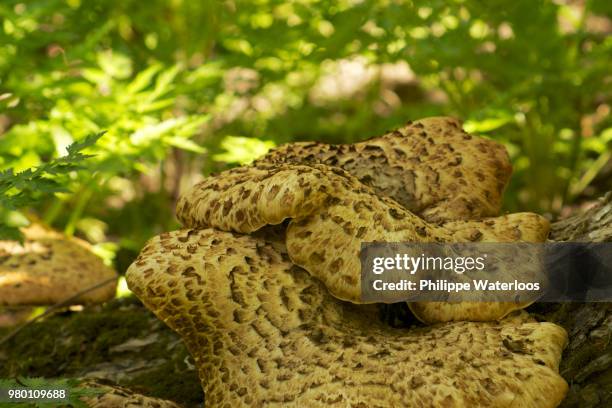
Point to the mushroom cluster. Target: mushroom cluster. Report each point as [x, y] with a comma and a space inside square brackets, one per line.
[273, 315]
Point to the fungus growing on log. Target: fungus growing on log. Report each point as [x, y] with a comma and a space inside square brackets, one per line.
[50, 268]
[264, 332]
[431, 167]
[265, 315]
[331, 214]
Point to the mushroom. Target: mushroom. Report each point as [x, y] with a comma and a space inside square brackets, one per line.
[264, 332]
[332, 213]
[108, 395]
[524, 226]
[50, 268]
[245, 199]
[431, 167]
[328, 243]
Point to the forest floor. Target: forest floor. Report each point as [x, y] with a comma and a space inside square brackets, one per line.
[121, 341]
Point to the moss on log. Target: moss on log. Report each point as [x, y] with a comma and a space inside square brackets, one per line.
[121, 341]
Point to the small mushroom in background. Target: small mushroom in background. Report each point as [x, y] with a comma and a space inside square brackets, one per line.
[50, 268]
[264, 332]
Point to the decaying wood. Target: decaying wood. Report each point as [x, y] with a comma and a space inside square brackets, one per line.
[593, 225]
[587, 360]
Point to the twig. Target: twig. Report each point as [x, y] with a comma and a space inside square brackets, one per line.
[54, 308]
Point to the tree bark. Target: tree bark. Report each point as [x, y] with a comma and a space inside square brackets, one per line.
[593, 225]
[587, 360]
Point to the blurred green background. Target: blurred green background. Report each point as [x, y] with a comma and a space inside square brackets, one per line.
[183, 88]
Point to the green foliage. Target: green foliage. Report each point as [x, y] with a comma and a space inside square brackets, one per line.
[184, 88]
[242, 150]
[72, 386]
[25, 188]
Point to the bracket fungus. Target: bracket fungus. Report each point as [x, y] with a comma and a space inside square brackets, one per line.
[245, 199]
[50, 268]
[431, 167]
[331, 214]
[258, 284]
[264, 332]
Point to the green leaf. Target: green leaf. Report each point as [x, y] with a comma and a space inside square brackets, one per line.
[26, 188]
[10, 233]
[486, 125]
[185, 144]
[242, 150]
[89, 141]
[143, 79]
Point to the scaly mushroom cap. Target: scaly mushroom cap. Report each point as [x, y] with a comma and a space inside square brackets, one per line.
[517, 227]
[264, 332]
[115, 396]
[328, 243]
[332, 214]
[431, 167]
[244, 199]
[50, 268]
